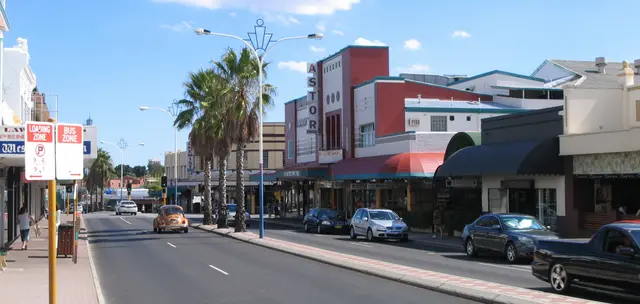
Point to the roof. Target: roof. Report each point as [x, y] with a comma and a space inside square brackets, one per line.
[462, 107]
[170, 207]
[531, 88]
[497, 72]
[589, 71]
[414, 165]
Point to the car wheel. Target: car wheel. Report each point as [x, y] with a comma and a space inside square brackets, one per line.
[405, 238]
[470, 248]
[186, 230]
[135, 213]
[370, 237]
[352, 233]
[155, 229]
[511, 253]
[306, 227]
[559, 278]
[319, 230]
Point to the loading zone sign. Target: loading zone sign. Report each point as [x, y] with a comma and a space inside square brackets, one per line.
[39, 151]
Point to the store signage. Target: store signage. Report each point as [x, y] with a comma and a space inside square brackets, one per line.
[291, 173]
[517, 184]
[312, 98]
[302, 122]
[190, 157]
[608, 176]
[328, 157]
[15, 147]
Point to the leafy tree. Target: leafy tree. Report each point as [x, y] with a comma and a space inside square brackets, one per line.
[139, 171]
[155, 169]
[101, 170]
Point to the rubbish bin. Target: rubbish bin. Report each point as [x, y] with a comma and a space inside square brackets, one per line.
[65, 240]
[196, 208]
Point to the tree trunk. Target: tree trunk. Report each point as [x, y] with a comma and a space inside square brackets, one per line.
[240, 220]
[102, 178]
[207, 192]
[222, 193]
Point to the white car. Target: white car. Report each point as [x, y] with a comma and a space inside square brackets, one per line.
[378, 224]
[128, 207]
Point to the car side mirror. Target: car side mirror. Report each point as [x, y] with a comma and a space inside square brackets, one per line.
[496, 227]
[548, 227]
[365, 219]
[627, 251]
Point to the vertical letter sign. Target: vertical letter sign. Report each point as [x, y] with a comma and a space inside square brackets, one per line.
[39, 151]
[69, 152]
[312, 98]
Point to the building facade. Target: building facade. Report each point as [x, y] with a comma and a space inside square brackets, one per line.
[19, 81]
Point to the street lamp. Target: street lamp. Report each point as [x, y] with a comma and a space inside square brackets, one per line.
[255, 44]
[172, 111]
[121, 144]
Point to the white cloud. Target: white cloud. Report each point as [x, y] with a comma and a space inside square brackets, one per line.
[296, 66]
[412, 44]
[337, 32]
[316, 49]
[233, 14]
[296, 7]
[321, 27]
[460, 34]
[363, 41]
[414, 69]
[283, 19]
[184, 25]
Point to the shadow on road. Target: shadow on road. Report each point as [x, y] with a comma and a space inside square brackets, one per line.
[91, 232]
[411, 244]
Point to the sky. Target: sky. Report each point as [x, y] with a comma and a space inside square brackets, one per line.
[105, 59]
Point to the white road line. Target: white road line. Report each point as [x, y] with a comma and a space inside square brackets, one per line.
[125, 221]
[363, 245]
[430, 252]
[172, 245]
[219, 270]
[505, 267]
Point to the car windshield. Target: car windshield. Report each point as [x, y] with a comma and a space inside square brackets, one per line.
[232, 207]
[172, 211]
[522, 223]
[383, 215]
[330, 214]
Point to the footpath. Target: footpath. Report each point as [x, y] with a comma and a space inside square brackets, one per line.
[26, 277]
[478, 290]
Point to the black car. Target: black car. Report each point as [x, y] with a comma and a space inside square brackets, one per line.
[513, 235]
[609, 261]
[325, 220]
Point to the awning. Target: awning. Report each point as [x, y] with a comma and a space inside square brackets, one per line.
[268, 177]
[462, 140]
[513, 158]
[304, 171]
[403, 165]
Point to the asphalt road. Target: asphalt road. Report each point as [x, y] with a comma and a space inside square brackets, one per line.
[421, 252]
[135, 265]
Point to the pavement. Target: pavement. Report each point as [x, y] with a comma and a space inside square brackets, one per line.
[26, 279]
[422, 252]
[135, 265]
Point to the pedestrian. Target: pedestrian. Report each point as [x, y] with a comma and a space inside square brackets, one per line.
[270, 208]
[437, 221]
[25, 220]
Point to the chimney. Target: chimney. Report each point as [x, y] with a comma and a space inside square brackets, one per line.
[636, 64]
[601, 63]
[625, 76]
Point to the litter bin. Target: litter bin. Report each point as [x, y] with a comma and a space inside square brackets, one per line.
[65, 240]
[196, 208]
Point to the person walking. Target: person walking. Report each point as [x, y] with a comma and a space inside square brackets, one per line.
[25, 219]
[437, 221]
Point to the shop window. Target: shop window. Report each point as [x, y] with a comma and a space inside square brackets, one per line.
[498, 200]
[547, 207]
[452, 118]
[438, 123]
[367, 135]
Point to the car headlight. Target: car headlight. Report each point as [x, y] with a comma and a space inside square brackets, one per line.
[526, 240]
[326, 223]
[378, 227]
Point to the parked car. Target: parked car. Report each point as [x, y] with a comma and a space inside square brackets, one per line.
[378, 224]
[513, 235]
[231, 215]
[609, 261]
[128, 207]
[324, 220]
[170, 217]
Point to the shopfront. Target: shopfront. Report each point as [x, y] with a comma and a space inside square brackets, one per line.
[303, 184]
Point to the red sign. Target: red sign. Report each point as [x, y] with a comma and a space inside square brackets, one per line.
[69, 134]
[39, 133]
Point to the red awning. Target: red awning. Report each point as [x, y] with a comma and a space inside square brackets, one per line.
[412, 162]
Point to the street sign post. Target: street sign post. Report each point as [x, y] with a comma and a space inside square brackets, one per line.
[69, 152]
[39, 151]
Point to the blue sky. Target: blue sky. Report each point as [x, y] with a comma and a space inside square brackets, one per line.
[107, 58]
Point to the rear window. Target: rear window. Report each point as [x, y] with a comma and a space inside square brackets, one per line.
[232, 207]
[170, 211]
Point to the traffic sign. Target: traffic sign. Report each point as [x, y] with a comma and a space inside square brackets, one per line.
[39, 151]
[69, 151]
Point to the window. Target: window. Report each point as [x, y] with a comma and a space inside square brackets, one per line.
[265, 158]
[283, 159]
[413, 122]
[290, 149]
[452, 118]
[468, 118]
[367, 135]
[483, 222]
[438, 124]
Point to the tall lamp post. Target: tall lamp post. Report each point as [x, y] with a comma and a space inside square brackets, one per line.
[260, 41]
[172, 111]
[122, 145]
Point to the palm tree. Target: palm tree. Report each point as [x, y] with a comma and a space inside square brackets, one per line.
[100, 171]
[241, 74]
[204, 111]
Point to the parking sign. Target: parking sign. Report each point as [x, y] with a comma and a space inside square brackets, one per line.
[39, 151]
[69, 151]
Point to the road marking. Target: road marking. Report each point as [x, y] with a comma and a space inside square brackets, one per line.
[172, 245]
[125, 221]
[505, 267]
[430, 252]
[363, 245]
[219, 270]
[439, 245]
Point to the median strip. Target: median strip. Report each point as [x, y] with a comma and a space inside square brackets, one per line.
[478, 290]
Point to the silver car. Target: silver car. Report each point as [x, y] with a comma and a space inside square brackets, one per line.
[231, 215]
[378, 224]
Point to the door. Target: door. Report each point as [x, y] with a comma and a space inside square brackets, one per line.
[364, 223]
[496, 238]
[355, 221]
[616, 271]
[479, 232]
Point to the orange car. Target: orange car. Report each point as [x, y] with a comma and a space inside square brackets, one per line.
[170, 217]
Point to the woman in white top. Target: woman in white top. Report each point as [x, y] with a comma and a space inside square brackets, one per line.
[25, 220]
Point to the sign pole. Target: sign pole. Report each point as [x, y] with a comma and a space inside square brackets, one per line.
[52, 240]
[76, 228]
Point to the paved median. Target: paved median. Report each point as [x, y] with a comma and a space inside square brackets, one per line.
[479, 290]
